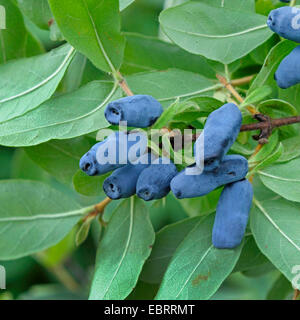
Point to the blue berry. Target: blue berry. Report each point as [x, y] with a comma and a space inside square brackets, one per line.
[288, 72]
[139, 111]
[220, 131]
[154, 182]
[232, 215]
[285, 21]
[232, 168]
[122, 182]
[105, 156]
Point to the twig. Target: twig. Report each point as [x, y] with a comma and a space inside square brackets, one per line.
[241, 81]
[231, 89]
[123, 84]
[274, 123]
[296, 294]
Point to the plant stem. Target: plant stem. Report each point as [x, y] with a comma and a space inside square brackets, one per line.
[241, 81]
[293, 3]
[231, 89]
[274, 123]
[296, 294]
[123, 84]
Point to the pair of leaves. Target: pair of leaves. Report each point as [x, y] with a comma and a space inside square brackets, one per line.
[63, 117]
[184, 257]
[214, 32]
[82, 111]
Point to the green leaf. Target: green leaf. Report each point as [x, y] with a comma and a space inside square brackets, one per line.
[246, 6]
[122, 252]
[33, 217]
[251, 257]
[125, 3]
[38, 11]
[57, 254]
[63, 117]
[93, 28]
[276, 108]
[167, 86]
[197, 269]
[60, 158]
[284, 179]
[281, 288]
[202, 205]
[270, 159]
[291, 149]
[266, 74]
[210, 31]
[163, 56]
[166, 242]
[42, 73]
[275, 225]
[88, 186]
[83, 231]
[257, 95]
[13, 38]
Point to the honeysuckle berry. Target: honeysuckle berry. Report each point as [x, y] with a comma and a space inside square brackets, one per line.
[154, 182]
[232, 168]
[220, 131]
[122, 182]
[114, 152]
[288, 72]
[138, 111]
[285, 21]
[232, 215]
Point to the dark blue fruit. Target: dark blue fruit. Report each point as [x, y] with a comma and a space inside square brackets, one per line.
[139, 111]
[288, 72]
[285, 21]
[114, 152]
[220, 131]
[232, 215]
[122, 182]
[232, 168]
[154, 182]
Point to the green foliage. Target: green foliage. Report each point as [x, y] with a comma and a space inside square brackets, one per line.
[61, 63]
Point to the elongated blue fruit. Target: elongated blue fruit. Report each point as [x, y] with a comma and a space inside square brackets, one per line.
[122, 182]
[118, 150]
[139, 111]
[288, 72]
[154, 182]
[220, 131]
[232, 168]
[285, 21]
[232, 215]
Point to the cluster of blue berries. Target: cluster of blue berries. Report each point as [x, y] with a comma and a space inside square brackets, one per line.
[152, 178]
[285, 21]
[220, 131]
